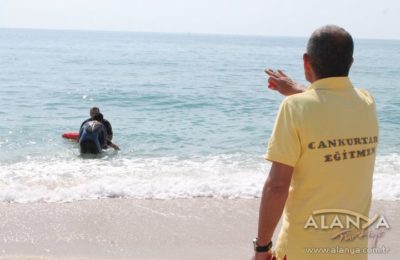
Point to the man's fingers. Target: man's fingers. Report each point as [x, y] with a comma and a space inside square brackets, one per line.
[271, 73]
[276, 79]
[272, 84]
[282, 73]
[278, 73]
[273, 80]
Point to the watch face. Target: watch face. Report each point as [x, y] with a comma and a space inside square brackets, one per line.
[255, 243]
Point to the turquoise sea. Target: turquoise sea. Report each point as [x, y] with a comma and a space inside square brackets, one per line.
[191, 113]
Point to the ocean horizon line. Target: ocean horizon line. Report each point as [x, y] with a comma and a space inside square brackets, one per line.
[182, 33]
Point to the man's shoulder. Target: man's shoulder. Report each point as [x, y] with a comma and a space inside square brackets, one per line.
[310, 100]
[107, 125]
[300, 99]
[365, 95]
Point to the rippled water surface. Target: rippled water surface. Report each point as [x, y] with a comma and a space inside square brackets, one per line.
[191, 113]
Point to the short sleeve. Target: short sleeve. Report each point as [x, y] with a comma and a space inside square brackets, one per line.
[284, 145]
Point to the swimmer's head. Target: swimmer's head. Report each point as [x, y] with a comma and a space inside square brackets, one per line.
[94, 111]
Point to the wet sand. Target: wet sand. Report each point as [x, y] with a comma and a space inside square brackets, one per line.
[145, 229]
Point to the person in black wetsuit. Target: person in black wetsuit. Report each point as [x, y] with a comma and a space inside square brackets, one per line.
[106, 124]
[93, 136]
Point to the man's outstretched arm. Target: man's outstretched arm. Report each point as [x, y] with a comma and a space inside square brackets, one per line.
[273, 201]
[282, 83]
[111, 144]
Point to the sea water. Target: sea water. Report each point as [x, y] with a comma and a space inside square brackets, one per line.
[191, 113]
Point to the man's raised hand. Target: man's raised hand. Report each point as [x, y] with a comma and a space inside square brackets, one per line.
[282, 83]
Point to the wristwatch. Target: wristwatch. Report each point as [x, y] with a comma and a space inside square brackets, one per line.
[261, 248]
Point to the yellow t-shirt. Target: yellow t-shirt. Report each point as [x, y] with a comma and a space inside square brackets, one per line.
[329, 134]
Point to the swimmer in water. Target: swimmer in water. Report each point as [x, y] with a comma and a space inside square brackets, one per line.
[93, 136]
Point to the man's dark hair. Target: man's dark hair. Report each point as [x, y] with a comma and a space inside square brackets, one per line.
[98, 117]
[330, 49]
[94, 109]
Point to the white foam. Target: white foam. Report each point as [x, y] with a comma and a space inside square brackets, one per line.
[387, 177]
[160, 178]
[224, 176]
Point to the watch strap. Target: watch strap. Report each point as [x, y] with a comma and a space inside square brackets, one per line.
[262, 248]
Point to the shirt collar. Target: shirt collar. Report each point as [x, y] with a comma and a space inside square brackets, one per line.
[331, 83]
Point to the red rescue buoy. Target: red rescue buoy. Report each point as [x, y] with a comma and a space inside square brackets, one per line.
[71, 136]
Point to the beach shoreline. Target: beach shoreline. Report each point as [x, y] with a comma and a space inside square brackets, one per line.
[121, 228]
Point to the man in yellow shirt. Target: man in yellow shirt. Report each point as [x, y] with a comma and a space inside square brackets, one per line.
[322, 150]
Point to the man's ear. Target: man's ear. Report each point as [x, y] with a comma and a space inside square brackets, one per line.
[308, 72]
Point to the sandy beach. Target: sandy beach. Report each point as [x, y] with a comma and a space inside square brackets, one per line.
[145, 229]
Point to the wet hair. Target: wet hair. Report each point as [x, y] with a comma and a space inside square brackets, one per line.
[95, 109]
[89, 146]
[330, 49]
[98, 117]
